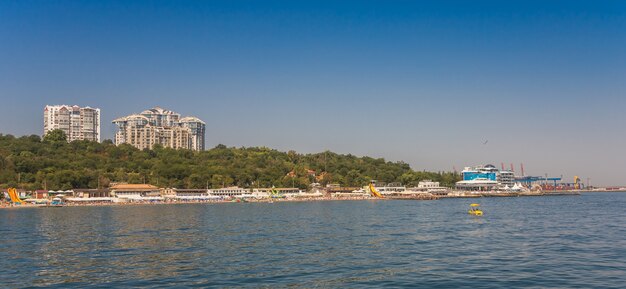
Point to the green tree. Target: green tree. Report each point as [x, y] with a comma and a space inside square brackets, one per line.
[55, 135]
[54, 164]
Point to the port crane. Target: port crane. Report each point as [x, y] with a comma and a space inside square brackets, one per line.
[577, 183]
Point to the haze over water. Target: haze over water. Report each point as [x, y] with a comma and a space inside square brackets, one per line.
[556, 241]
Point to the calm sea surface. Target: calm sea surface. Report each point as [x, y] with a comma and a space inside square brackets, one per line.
[559, 241]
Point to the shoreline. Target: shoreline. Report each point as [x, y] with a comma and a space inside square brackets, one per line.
[317, 199]
[123, 204]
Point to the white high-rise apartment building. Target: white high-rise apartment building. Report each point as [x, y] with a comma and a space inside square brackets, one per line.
[160, 126]
[197, 128]
[78, 123]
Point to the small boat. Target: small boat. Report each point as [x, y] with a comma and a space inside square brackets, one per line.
[475, 210]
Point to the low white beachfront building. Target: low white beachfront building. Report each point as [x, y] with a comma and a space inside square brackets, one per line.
[479, 184]
[231, 192]
[261, 193]
[189, 194]
[429, 187]
[136, 192]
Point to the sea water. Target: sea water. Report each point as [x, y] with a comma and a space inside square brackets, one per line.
[556, 241]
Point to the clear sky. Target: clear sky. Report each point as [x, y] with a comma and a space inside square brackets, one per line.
[429, 82]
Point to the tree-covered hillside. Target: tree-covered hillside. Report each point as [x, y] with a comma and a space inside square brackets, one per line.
[32, 163]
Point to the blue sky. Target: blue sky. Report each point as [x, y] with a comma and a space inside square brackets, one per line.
[427, 82]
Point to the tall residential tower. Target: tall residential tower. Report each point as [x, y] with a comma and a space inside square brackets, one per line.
[78, 123]
[197, 128]
[160, 126]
